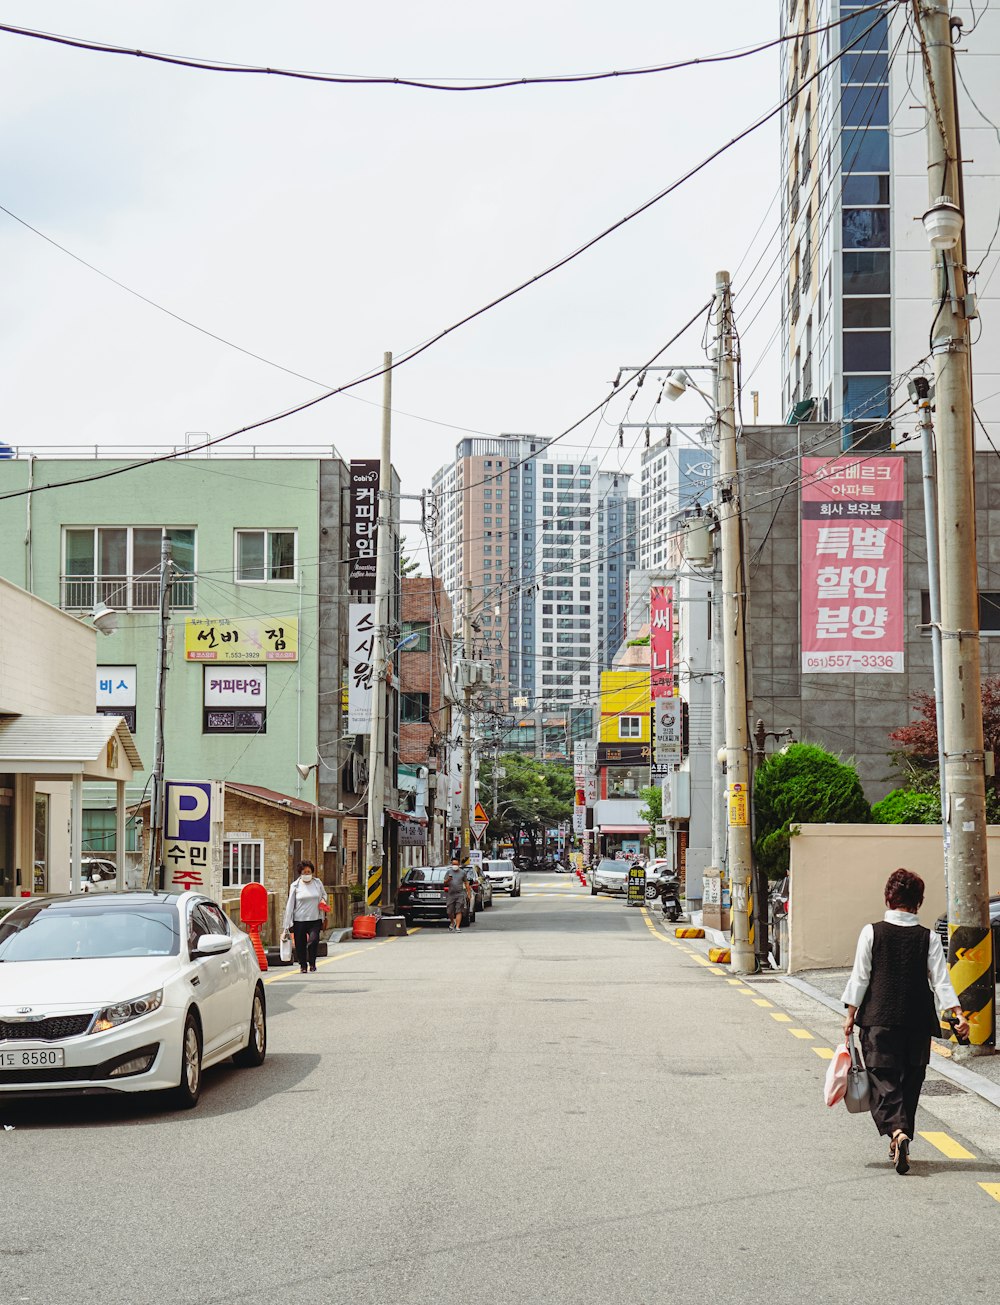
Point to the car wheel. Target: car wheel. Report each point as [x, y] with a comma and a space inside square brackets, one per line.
[593, 890]
[515, 892]
[185, 1095]
[254, 1052]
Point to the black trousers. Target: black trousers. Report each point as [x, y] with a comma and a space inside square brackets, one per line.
[306, 935]
[897, 1064]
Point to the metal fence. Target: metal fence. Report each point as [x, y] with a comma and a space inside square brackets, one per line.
[123, 593]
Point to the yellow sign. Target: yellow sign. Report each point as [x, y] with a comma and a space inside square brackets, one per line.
[739, 807]
[245, 639]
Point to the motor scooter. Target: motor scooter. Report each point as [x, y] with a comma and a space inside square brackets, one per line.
[670, 898]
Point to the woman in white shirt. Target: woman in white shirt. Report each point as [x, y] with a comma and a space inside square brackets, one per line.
[306, 901]
[899, 978]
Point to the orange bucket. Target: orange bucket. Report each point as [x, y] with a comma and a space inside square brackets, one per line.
[364, 926]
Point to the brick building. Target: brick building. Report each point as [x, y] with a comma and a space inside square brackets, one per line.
[424, 714]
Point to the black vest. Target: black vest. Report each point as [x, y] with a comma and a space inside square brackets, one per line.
[898, 992]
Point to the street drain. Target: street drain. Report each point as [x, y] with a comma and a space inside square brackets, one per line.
[940, 1087]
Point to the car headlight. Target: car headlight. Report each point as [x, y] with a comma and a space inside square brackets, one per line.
[123, 1011]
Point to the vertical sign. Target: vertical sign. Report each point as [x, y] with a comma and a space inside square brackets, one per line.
[363, 523]
[852, 565]
[360, 666]
[192, 843]
[667, 717]
[661, 641]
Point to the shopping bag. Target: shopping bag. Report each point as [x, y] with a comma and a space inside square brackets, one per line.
[835, 1087]
[858, 1094]
[285, 951]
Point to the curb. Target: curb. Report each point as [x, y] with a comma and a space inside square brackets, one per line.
[957, 1074]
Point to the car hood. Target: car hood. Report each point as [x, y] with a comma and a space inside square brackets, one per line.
[81, 985]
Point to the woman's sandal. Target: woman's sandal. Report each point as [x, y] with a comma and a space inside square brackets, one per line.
[899, 1152]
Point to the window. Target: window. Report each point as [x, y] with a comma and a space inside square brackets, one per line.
[422, 629]
[989, 611]
[120, 566]
[860, 313]
[866, 228]
[99, 830]
[865, 151]
[265, 555]
[243, 863]
[864, 106]
[867, 351]
[629, 727]
[866, 273]
[415, 708]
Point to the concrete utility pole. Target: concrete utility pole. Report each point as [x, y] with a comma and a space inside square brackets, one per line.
[727, 507]
[970, 952]
[156, 798]
[374, 845]
[920, 387]
[465, 831]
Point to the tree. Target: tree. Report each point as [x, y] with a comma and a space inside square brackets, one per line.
[802, 783]
[408, 565]
[652, 812]
[904, 806]
[531, 797]
[918, 753]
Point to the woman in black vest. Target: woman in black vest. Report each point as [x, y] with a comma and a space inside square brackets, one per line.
[898, 980]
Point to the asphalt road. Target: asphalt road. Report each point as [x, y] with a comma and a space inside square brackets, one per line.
[559, 1105]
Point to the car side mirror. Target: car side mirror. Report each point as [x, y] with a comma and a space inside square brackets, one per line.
[213, 944]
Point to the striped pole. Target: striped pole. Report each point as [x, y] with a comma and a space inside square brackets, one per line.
[373, 888]
[970, 963]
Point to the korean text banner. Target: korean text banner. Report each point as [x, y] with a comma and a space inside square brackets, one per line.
[360, 666]
[247, 639]
[852, 565]
[661, 641]
[363, 509]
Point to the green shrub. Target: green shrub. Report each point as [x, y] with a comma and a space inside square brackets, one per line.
[802, 784]
[905, 807]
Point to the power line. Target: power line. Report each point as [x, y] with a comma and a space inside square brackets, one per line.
[351, 79]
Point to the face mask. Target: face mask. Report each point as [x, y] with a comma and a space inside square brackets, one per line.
[307, 879]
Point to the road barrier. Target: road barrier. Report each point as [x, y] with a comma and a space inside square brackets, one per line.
[689, 933]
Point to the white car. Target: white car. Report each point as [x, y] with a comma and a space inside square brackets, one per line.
[125, 992]
[503, 876]
[609, 876]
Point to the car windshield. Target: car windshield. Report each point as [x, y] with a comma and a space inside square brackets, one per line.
[612, 867]
[65, 932]
[428, 874]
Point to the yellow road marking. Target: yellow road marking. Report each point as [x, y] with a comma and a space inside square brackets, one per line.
[991, 1189]
[801, 1033]
[700, 959]
[714, 969]
[948, 1146]
[741, 988]
[736, 982]
[779, 1015]
[824, 1053]
[761, 1001]
[293, 969]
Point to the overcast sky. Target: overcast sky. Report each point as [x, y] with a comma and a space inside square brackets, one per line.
[320, 225]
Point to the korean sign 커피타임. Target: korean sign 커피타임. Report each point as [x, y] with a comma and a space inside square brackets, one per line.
[852, 565]
[363, 514]
[244, 639]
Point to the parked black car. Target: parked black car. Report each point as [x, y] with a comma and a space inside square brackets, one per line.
[421, 895]
[941, 928]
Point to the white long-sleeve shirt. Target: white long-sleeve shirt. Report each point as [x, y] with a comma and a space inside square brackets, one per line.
[303, 901]
[937, 970]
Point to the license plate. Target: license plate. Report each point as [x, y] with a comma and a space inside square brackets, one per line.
[33, 1058]
[429, 897]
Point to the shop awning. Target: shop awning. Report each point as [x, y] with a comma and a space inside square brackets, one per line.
[95, 747]
[624, 829]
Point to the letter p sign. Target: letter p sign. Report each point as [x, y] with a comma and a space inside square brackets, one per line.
[188, 811]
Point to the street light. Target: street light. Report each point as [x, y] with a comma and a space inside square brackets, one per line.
[304, 770]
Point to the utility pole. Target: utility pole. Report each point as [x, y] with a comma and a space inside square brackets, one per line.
[465, 832]
[970, 951]
[376, 886]
[920, 388]
[154, 874]
[727, 507]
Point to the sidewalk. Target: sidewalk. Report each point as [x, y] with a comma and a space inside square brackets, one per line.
[980, 1076]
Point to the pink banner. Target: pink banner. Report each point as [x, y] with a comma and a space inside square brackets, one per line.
[661, 641]
[852, 565]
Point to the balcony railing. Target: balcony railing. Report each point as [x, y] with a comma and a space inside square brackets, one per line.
[795, 301]
[123, 593]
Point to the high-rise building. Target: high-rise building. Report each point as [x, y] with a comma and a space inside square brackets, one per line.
[856, 299]
[675, 481]
[546, 540]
